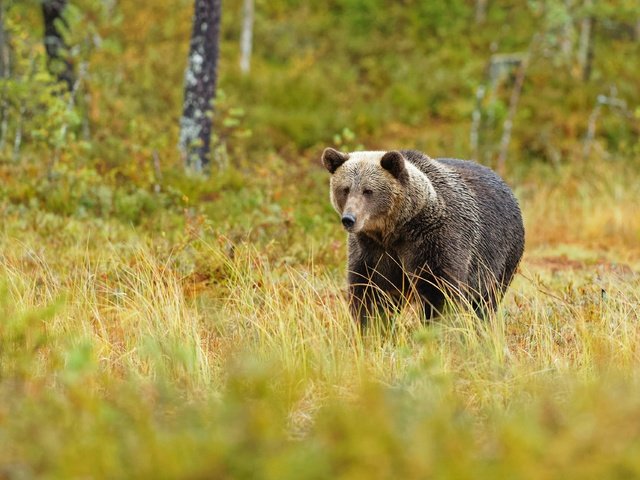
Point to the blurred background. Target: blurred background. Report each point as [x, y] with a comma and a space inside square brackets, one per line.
[515, 83]
[539, 90]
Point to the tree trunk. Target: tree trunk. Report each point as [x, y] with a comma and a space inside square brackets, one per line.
[481, 11]
[246, 38]
[200, 85]
[57, 51]
[585, 49]
[4, 46]
[513, 107]
[5, 72]
[566, 37]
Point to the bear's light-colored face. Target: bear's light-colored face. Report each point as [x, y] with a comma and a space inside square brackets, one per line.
[365, 188]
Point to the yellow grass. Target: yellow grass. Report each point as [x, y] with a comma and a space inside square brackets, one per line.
[116, 348]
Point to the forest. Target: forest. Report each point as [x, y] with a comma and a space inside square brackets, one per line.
[176, 308]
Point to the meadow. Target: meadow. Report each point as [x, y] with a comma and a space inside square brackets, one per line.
[157, 324]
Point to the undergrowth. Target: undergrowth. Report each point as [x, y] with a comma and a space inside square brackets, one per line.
[208, 353]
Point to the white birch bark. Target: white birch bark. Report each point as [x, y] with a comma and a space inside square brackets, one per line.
[584, 46]
[481, 11]
[246, 37]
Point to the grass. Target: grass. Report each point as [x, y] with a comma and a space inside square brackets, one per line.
[126, 352]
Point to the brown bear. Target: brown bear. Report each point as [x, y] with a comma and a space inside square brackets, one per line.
[422, 227]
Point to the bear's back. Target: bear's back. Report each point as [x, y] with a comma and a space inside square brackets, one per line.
[461, 182]
[487, 188]
[478, 177]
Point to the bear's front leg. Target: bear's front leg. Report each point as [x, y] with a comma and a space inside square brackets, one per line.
[364, 294]
[376, 280]
[434, 285]
[432, 298]
[362, 304]
[367, 296]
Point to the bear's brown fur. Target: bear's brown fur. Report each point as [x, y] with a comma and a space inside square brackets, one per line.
[437, 228]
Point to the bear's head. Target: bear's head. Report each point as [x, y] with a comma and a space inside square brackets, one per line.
[368, 189]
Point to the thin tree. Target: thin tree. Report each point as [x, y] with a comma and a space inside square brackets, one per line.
[481, 11]
[246, 38]
[200, 85]
[585, 49]
[57, 50]
[4, 46]
[5, 72]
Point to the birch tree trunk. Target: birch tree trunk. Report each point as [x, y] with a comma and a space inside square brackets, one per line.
[4, 47]
[566, 38]
[481, 11]
[200, 85]
[246, 38]
[5, 72]
[57, 51]
[513, 107]
[585, 48]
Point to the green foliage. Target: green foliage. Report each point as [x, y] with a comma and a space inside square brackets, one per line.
[345, 140]
[23, 337]
[31, 98]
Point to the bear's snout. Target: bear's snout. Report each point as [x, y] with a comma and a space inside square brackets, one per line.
[348, 221]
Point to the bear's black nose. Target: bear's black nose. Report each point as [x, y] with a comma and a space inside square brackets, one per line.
[348, 220]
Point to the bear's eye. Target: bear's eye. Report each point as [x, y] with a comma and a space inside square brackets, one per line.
[345, 190]
[367, 192]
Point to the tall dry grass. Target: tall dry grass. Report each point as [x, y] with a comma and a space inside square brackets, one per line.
[211, 358]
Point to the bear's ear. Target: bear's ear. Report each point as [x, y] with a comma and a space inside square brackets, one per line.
[332, 159]
[394, 163]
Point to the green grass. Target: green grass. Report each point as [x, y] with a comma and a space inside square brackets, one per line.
[193, 348]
